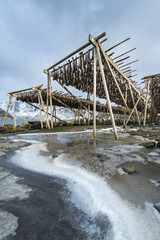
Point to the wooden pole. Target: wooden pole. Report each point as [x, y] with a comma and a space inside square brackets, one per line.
[40, 111]
[134, 103]
[76, 51]
[7, 110]
[48, 87]
[14, 112]
[47, 122]
[54, 112]
[146, 103]
[66, 105]
[65, 88]
[48, 113]
[125, 106]
[106, 91]
[140, 95]
[94, 92]
[88, 99]
[115, 80]
[50, 94]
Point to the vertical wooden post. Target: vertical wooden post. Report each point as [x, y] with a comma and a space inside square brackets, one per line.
[54, 112]
[50, 94]
[14, 112]
[79, 120]
[48, 83]
[106, 92]
[94, 92]
[40, 110]
[124, 120]
[47, 122]
[146, 103]
[134, 103]
[139, 97]
[7, 110]
[112, 73]
[88, 99]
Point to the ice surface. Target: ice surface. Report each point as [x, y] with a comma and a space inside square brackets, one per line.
[8, 224]
[93, 195]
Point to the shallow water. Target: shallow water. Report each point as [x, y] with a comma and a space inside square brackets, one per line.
[100, 202]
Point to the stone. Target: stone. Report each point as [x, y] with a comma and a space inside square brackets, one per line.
[158, 138]
[147, 135]
[150, 144]
[54, 156]
[25, 123]
[157, 207]
[19, 129]
[129, 170]
[158, 145]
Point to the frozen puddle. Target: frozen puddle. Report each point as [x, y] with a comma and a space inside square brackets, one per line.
[10, 189]
[92, 195]
[8, 224]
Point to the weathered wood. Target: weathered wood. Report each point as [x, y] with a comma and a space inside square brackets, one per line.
[40, 111]
[106, 91]
[125, 106]
[7, 110]
[65, 88]
[13, 112]
[130, 89]
[94, 92]
[130, 63]
[104, 55]
[73, 53]
[139, 97]
[124, 53]
[146, 103]
[47, 122]
[51, 110]
[117, 44]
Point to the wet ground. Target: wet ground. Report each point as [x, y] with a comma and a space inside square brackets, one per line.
[71, 186]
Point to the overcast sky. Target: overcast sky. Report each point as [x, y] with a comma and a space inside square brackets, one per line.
[34, 34]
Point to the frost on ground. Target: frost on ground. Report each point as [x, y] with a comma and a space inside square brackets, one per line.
[8, 224]
[10, 189]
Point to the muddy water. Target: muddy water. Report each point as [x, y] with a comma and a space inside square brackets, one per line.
[88, 195]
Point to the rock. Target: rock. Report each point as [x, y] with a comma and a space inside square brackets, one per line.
[34, 125]
[71, 144]
[19, 129]
[129, 170]
[158, 145]
[2, 130]
[54, 156]
[148, 144]
[25, 123]
[158, 138]
[147, 135]
[157, 207]
[9, 127]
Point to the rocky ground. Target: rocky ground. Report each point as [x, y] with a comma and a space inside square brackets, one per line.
[123, 164]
